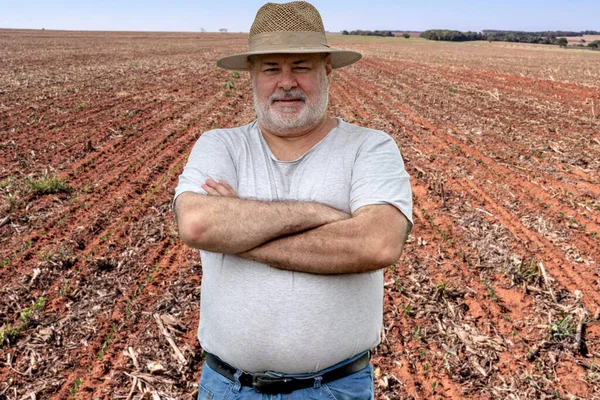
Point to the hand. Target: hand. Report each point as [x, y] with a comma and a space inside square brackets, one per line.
[219, 189]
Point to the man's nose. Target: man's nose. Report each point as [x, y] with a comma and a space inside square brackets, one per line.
[288, 80]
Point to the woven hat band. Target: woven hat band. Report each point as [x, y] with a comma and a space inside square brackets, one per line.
[287, 42]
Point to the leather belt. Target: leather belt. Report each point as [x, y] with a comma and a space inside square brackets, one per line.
[273, 384]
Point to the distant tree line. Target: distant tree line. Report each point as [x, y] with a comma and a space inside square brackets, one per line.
[546, 37]
[540, 33]
[368, 33]
[451, 36]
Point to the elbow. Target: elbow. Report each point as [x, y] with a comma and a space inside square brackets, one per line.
[388, 253]
[192, 232]
[198, 233]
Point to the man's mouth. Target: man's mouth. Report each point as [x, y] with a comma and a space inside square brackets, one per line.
[288, 100]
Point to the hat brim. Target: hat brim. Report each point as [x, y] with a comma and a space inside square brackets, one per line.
[239, 61]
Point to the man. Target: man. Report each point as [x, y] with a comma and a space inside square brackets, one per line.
[295, 215]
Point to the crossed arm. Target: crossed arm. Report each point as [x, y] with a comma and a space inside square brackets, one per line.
[298, 236]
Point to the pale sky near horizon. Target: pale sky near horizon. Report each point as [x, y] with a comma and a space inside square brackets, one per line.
[237, 15]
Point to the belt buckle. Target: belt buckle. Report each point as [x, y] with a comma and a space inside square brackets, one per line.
[268, 384]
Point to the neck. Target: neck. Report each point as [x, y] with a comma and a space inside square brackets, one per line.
[289, 147]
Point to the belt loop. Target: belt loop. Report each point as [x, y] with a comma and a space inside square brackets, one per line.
[237, 385]
[318, 380]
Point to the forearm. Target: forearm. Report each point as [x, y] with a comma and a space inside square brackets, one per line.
[232, 225]
[349, 246]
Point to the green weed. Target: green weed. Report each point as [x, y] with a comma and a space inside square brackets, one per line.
[75, 387]
[11, 333]
[563, 329]
[47, 186]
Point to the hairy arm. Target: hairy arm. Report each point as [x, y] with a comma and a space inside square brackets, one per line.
[372, 239]
[223, 223]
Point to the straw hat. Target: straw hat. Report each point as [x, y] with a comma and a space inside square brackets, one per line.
[294, 27]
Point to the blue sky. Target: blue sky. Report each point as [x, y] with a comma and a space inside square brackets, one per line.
[237, 15]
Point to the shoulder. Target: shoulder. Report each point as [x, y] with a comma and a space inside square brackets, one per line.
[233, 140]
[235, 134]
[364, 136]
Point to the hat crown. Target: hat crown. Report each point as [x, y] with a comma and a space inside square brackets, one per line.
[296, 16]
[288, 28]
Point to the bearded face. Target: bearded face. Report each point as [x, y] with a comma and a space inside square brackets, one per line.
[291, 92]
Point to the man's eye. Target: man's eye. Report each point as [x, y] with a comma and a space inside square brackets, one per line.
[301, 68]
[270, 70]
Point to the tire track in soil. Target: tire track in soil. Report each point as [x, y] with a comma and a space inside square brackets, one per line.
[530, 188]
[554, 259]
[155, 257]
[491, 310]
[90, 363]
[54, 303]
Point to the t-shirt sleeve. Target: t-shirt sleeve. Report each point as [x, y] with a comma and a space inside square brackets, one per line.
[210, 158]
[379, 177]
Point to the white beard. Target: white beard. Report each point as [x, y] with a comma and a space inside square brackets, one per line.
[289, 123]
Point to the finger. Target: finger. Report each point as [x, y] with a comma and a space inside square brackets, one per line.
[229, 188]
[222, 190]
[210, 191]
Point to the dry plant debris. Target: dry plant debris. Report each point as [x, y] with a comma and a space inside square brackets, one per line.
[497, 295]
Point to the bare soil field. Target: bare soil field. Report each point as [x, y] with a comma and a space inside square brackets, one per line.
[497, 295]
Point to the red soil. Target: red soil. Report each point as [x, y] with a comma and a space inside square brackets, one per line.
[485, 302]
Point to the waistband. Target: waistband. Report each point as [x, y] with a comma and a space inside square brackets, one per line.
[274, 383]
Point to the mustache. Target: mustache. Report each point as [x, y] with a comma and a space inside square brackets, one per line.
[288, 95]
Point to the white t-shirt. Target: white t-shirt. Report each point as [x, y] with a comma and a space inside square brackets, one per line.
[257, 317]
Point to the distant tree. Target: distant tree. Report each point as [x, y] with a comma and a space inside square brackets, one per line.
[223, 30]
[406, 35]
[594, 45]
[562, 42]
[345, 32]
[202, 30]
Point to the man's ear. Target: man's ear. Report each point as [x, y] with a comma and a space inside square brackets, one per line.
[249, 64]
[328, 67]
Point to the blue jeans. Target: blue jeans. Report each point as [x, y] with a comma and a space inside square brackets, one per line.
[358, 386]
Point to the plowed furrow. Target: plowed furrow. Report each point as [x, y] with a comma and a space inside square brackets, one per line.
[157, 256]
[491, 309]
[113, 180]
[579, 280]
[492, 114]
[536, 192]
